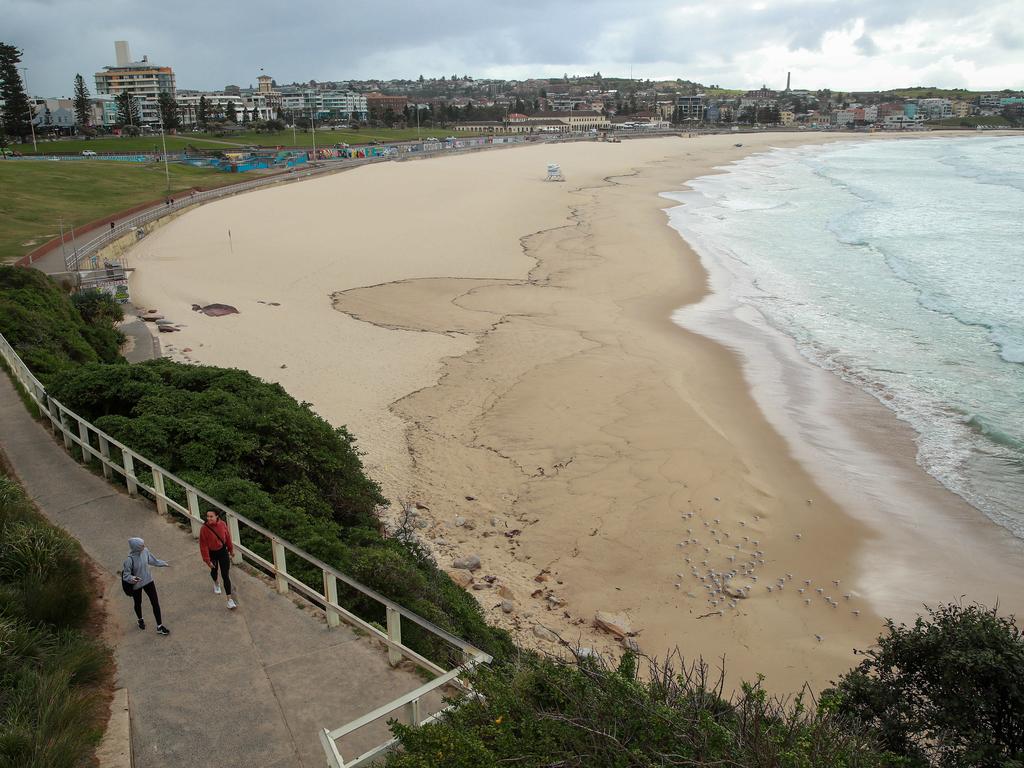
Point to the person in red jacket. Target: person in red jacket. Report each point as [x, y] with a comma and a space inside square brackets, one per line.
[216, 547]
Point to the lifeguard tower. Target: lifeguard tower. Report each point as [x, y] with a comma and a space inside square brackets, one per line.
[554, 172]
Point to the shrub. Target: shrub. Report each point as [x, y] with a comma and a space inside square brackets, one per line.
[947, 691]
[50, 674]
[539, 712]
[32, 552]
[45, 328]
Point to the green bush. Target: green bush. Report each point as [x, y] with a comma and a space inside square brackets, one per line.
[947, 691]
[50, 673]
[538, 712]
[46, 329]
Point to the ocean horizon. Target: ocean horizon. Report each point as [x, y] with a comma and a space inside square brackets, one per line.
[898, 266]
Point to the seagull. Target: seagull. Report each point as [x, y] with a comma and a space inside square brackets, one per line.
[836, 582]
[819, 590]
[819, 638]
[797, 536]
[847, 596]
[801, 590]
[855, 613]
[807, 601]
[807, 582]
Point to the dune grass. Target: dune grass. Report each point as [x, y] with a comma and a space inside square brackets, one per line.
[54, 676]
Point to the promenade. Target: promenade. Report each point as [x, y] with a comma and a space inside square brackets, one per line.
[251, 687]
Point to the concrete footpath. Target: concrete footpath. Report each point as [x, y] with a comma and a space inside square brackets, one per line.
[250, 687]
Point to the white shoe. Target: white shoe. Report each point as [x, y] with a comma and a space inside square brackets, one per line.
[216, 589]
[232, 604]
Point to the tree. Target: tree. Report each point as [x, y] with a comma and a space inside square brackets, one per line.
[202, 112]
[230, 113]
[128, 112]
[168, 111]
[948, 691]
[82, 111]
[16, 111]
[245, 114]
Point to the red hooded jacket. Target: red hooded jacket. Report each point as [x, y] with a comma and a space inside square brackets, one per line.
[208, 541]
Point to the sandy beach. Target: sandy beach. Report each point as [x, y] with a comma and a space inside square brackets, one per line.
[504, 351]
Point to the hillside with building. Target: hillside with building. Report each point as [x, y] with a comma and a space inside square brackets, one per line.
[132, 96]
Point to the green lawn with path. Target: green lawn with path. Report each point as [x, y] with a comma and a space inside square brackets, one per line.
[37, 194]
[990, 121]
[126, 144]
[301, 138]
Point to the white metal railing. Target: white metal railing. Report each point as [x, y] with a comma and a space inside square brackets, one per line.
[96, 445]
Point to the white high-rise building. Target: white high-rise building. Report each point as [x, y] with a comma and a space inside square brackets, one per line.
[142, 79]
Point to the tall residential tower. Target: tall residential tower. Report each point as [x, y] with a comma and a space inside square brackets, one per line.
[142, 79]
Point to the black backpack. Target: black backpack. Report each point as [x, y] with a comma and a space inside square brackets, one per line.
[125, 586]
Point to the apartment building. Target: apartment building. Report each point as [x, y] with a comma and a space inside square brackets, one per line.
[935, 109]
[325, 104]
[144, 80]
[691, 107]
[378, 103]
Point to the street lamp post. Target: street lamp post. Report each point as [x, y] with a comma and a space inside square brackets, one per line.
[163, 141]
[31, 111]
[312, 124]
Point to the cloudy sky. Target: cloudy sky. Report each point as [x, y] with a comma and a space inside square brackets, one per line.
[841, 44]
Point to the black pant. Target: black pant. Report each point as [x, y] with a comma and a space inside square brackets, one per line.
[220, 557]
[154, 601]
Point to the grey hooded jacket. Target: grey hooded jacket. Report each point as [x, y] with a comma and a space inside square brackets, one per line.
[137, 564]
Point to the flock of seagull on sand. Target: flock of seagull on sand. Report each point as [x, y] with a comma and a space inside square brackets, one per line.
[721, 588]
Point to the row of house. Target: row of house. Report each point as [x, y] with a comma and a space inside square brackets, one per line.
[553, 108]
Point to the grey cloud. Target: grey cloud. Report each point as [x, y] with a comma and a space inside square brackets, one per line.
[866, 45]
[210, 44]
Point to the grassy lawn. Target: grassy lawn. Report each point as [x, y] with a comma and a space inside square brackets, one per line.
[38, 194]
[127, 144]
[324, 137]
[994, 121]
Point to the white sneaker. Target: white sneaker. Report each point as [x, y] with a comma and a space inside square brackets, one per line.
[216, 589]
[232, 604]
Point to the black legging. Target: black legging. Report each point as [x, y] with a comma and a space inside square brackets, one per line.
[220, 557]
[154, 601]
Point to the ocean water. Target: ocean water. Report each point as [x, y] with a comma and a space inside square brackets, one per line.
[899, 266]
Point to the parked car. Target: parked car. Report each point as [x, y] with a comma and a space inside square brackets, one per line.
[88, 153]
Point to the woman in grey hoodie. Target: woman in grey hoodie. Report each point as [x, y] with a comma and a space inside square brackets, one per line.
[135, 572]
